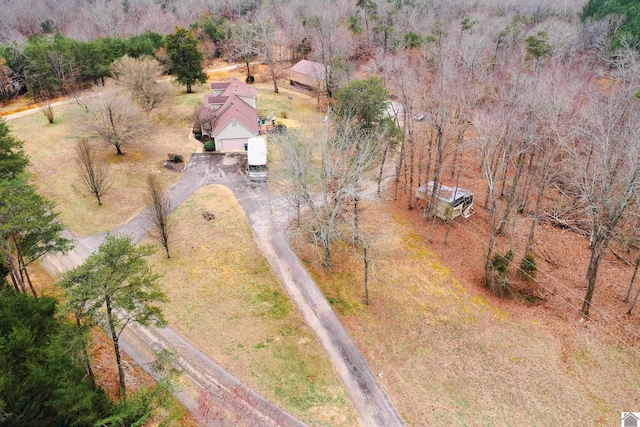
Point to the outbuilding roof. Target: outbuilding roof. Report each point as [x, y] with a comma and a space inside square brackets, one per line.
[309, 68]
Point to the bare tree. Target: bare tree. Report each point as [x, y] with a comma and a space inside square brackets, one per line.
[140, 76]
[348, 157]
[404, 75]
[332, 43]
[47, 110]
[243, 43]
[158, 213]
[266, 39]
[113, 119]
[607, 161]
[93, 171]
[490, 136]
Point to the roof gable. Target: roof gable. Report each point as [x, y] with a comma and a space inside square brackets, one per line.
[236, 108]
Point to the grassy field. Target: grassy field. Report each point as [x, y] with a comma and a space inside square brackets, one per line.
[51, 150]
[450, 358]
[225, 299]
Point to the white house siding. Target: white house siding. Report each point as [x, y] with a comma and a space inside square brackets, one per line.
[233, 136]
[231, 144]
[249, 100]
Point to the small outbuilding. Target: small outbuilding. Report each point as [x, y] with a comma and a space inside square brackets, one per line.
[451, 202]
[307, 74]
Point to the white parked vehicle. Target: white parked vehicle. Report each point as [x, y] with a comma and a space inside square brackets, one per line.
[257, 159]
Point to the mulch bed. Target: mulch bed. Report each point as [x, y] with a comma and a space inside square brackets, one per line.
[175, 167]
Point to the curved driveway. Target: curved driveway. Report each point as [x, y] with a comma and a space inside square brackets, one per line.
[367, 396]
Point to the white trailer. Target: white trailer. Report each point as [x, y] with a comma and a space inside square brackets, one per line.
[450, 202]
[257, 159]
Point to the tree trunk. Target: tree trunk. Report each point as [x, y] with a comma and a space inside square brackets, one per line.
[398, 171]
[522, 204]
[503, 180]
[597, 250]
[492, 238]
[24, 273]
[327, 253]
[116, 349]
[119, 150]
[411, 165]
[274, 78]
[366, 274]
[87, 359]
[16, 278]
[188, 87]
[633, 279]
[356, 230]
[633, 304]
[534, 222]
[384, 159]
[512, 194]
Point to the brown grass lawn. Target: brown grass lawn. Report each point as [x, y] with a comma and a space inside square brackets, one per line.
[449, 355]
[51, 149]
[225, 299]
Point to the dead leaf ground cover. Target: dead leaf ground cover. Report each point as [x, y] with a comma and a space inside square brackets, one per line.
[448, 353]
[226, 300]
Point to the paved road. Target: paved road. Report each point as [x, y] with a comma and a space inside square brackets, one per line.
[367, 396]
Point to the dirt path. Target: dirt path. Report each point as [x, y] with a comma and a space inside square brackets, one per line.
[367, 396]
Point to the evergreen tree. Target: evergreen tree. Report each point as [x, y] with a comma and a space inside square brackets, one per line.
[13, 158]
[28, 230]
[115, 287]
[364, 100]
[182, 48]
[43, 382]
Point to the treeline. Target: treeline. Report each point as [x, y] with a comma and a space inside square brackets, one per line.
[51, 65]
[624, 16]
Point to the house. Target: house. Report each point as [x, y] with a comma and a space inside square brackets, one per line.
[451, 202]
[307, 74]
[229, 115]
[631, 419]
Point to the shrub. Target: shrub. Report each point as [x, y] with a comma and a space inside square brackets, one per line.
[197, 135]
[500, 263]
[283, 114]
[281, 128]
[498, 279]
[177, 158]
[209, 146]
[250, 79]
[528, 267]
